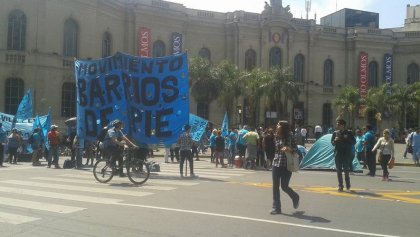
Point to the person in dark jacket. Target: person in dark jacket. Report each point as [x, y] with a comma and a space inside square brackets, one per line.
[219, 143]
[343, 140]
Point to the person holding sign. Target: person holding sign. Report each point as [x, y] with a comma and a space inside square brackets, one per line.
[114, 144]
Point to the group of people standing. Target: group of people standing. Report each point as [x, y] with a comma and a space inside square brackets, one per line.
[368, 149]
[14, 142]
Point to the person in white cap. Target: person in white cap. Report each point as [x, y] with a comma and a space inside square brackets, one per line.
[54, 142]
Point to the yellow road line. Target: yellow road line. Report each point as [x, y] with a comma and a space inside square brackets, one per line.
[382, 195]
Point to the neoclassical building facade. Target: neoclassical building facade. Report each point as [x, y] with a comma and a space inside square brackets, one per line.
[40, 38]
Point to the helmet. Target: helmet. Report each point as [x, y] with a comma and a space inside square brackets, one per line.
[53, 126]
[116, 123]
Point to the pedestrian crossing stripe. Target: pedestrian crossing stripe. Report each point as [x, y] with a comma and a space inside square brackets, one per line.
[62, 196]
[92, 182]
[42, 206]
[78, 188]
[199, 172]
[14, 219]
[88, 176]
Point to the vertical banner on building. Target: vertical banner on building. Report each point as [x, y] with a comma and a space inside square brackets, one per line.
[144, 39]
[388, 70]
[363, 79]
[176, 40]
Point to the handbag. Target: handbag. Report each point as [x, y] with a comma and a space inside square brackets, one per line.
[292, 161]
[391, 163]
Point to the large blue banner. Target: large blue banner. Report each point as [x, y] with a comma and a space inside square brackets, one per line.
[198, 127]
[26, 126]
[150, 95]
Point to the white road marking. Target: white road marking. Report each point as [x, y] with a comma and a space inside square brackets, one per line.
[78, 181]
[39, 205]
[78, 188]
[257, 220]
[63, 196]
[15, 219]
[198, 172]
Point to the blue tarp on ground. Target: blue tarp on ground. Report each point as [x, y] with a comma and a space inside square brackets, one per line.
[321, 156]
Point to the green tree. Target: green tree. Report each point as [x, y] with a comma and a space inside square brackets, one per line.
[348, 102]
[255, 82]
[229, 77]
[204, 88]
[403, 99]
[280, 88]
[378, 102]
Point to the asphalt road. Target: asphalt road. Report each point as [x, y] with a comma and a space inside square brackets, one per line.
[37, 201]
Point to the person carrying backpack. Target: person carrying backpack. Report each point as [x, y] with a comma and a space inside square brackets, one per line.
[35, 141]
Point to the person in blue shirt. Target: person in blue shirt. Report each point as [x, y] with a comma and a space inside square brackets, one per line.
[3, 140]
[114, 144]
[369, 142]
[241, 143]
[36, 143]
[212, 145]
[360, 151]
[233, 136]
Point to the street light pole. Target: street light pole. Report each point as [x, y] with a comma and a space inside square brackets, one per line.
[239, 107]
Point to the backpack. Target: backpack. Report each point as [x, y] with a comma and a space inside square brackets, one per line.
[68, 164]
[102, 134]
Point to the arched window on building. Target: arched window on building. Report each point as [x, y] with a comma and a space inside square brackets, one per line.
[327, 115]
[299, 68]
[16, 32]
[250, 59]
[106, 44]
[13, 94]
[159, 49]
[275, 57]
[373, 75]
[412, 73]
[205, 53]
[68, 100]
[328, 73]
[203, 110]
[71, 31]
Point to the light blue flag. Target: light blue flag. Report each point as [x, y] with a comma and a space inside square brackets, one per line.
[225, 126]
[198, 127]
[46, 124]
[25, 107]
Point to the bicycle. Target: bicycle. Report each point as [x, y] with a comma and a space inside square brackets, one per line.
[138, 171]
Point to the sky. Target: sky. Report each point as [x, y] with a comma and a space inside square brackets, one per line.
[392, 13]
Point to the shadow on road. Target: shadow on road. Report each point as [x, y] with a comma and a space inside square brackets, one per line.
[312, 219]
